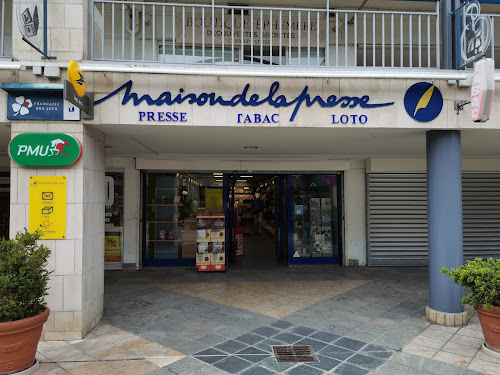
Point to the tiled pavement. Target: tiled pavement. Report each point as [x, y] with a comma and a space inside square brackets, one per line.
[357, 321]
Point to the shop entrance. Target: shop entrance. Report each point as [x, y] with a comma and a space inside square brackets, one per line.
[205, 219]
[257, 216]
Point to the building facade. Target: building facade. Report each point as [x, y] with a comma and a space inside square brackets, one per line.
[291, 133]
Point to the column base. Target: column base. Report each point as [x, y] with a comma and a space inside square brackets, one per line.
[446, 319]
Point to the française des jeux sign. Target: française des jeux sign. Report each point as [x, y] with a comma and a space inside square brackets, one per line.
[45, 150]
[33, 105]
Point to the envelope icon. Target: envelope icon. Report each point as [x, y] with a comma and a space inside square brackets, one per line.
[47, 196]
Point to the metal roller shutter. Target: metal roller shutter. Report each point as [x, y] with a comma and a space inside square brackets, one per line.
[481, 211]
[397, 217]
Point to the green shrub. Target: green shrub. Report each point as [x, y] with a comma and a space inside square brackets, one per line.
[23, 277]
[483, 280]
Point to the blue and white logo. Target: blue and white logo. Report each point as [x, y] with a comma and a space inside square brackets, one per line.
[423, 101]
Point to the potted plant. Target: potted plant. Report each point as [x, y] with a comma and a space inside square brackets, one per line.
[23, 287]
[483, 279]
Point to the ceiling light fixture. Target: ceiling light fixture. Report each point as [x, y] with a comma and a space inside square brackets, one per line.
[251, 147]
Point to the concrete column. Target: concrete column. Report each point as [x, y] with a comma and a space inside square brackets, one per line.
[355, 213]
[77, 283]
[444, 205]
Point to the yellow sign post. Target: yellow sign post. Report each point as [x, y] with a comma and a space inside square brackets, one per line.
[48, 206]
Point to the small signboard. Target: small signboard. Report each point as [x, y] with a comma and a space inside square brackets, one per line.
[45, 150]
[475, 30]
[74, 90]
[112, 247]
[47, 206]
[33, 105]
[482, 90]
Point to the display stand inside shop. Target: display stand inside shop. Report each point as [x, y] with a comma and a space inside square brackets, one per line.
[210, 254]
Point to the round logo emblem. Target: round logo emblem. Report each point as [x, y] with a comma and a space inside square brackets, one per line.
[423, 101]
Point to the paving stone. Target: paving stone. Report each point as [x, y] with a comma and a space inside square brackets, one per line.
[350, 343]
[209, 370]
[304, 331]
[362, 336]
[325, 363]
[191, 347]
[390, 342]
[211, 339]
[271, 364]
[338, 329]
[377, 351]
[346, 369]
[419, 322]
[251, 350]
[281, 324]
[440, 368]
[233, 365]
[315, 344]
[395, 369]
[266, 331]
[257, 370]
[336, 352]
[366, 361]
[211, 358]
[393, 316]
[249, 338]
[287, 338]
[232, 332]
[210, 351]
[410, 305]
[304, 370]
[266, 345]
[230, 346]
[185, 366]
[254, 358]
[325, 336]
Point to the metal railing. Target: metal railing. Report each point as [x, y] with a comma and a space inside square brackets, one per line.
[5, 28]
[495, 22]
[215, 34]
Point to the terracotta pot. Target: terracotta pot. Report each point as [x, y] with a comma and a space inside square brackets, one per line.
[18, 342]
[490, 323]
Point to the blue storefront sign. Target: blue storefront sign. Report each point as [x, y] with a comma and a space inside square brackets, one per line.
[243, 99]
[32, 105]
[423, 101]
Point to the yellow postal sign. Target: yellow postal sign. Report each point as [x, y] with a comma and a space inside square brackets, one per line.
[75, 77]
[48, 206]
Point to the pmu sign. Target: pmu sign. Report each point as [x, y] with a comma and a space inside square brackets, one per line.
[482, 90]
[45, 150]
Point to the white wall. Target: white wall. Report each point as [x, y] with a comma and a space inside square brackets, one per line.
[355, 213]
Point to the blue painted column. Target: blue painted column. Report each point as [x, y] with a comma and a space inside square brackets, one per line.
[444, 213]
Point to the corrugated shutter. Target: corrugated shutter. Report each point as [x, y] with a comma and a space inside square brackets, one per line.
[397, 217]
[481, 210]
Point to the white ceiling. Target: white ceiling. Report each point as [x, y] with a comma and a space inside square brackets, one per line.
[282, 143]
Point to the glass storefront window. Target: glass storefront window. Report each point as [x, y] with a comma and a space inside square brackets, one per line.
[316, 215]
[173, 202]
[113, 219]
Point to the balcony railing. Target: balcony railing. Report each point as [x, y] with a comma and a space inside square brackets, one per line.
[5, 28]
[495, 21]
[215, 34]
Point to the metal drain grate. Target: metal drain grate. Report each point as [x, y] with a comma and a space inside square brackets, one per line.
[294, 354]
